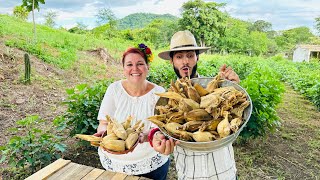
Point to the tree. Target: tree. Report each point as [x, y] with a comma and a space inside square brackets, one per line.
[31, 5]
[204, 20]
[259, 43]
[50, 18]
[21, 12]
[261, 26]
[159, 32]
[289, 38]
[80, 28]
[236, 37]
[106, 16]
[318, 24]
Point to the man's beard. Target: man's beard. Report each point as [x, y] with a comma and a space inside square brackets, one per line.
[193, 72]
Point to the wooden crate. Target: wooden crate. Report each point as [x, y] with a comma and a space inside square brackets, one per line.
[66, 170]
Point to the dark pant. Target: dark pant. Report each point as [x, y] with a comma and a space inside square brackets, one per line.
[160, 173]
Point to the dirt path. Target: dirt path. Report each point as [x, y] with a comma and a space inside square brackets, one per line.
[290, 153]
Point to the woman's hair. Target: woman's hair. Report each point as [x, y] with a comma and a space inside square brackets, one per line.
[133, 50]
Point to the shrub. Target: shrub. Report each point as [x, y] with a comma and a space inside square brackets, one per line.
[34, 150]
[265, 90]
[83, 106]
[161, 74]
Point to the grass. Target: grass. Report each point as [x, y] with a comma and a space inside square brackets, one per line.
[54, 46]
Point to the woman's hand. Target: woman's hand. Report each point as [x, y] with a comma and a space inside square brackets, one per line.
[100, 133]
[102, 128]
[229, 74]
[143, 137]
[163, 145]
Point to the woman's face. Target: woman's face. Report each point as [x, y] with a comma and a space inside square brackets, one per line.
[135, 68]
[184, 62]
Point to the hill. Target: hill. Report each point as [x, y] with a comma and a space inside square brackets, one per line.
[140, 20]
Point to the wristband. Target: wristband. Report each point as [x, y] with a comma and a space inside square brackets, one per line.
[151, 134]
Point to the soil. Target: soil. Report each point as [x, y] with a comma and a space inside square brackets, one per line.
[292, 152]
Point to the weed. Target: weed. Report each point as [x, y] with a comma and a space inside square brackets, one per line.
[31, 147]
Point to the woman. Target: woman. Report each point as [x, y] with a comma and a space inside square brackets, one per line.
[133, 96]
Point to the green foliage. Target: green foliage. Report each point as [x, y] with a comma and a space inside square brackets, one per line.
[83, 106]
[241, 40]
[204, 20]
[314, 94]
[161, 73]
[20, 12]
[54, 46]
[258, 43]
[106, 15]
[105, 32]
[29, 4]
[50, 18]
[265, 91]
[236, 37]
[32, 146]
[158, 32]
[140, 20]
[303, 77]
[317, 24]
[289, 38]
[261, 26]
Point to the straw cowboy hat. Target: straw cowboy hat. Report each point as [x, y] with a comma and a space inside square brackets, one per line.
[181, 41]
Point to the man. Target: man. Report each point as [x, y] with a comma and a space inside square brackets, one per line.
[219, 164]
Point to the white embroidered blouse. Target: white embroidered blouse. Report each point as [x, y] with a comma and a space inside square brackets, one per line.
[118, 104]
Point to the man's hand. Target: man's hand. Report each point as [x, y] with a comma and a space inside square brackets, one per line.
[162, 145]
[229, 74]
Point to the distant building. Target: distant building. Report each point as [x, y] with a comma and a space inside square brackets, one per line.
[306, 52]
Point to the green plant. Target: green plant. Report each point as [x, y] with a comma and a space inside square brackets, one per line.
[32, 147]
[314, 94]
[265, 90]
[161, 73]
[83, 106]
[27, 68]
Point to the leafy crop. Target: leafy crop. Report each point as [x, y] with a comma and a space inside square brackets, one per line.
[265, 91]
[83, 106]
[32, 147]
[161, 73]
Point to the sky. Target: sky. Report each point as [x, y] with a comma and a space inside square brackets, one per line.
[283, 14]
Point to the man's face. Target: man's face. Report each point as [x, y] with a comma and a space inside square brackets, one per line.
[185, 63]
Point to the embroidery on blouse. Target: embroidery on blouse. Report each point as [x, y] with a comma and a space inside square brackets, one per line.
[135, 168]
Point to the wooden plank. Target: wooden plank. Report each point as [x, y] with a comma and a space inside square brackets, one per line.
[49, 170]
[94, 174]
[119, 176]
[64, 171]
[75, 172]
[106, 175]
[78, 173]
[131, 178]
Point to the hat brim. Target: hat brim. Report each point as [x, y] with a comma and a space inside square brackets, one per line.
[166, 54]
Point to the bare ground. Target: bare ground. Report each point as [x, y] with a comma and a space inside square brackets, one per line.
[292, 152]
